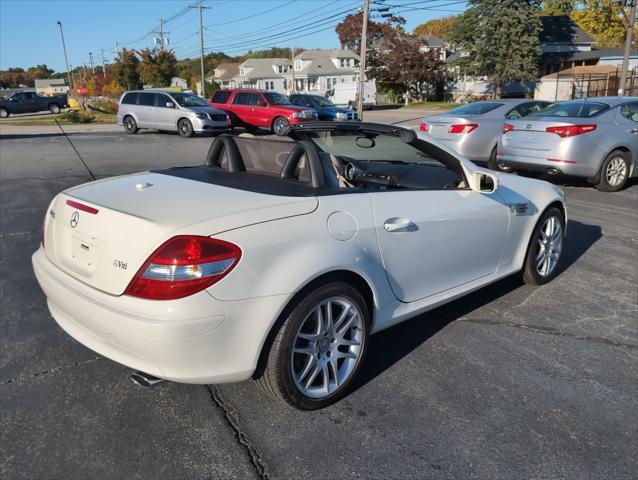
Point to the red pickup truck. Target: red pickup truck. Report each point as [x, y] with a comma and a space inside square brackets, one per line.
[260, 109]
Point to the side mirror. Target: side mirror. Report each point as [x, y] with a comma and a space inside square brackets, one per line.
[261, 103]
[484, 182]
[170, 105]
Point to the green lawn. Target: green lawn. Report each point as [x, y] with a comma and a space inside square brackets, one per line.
[49, 120]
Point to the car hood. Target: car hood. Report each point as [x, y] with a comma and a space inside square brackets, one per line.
[204, 109]
[334, 110]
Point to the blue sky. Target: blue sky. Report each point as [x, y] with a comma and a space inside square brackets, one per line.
[29, 33]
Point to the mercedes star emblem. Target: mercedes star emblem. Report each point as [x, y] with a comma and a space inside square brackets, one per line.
[75, 219]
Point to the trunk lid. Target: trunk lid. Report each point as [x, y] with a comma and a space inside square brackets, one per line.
[439, 126]
[128, 217]
[531, 134]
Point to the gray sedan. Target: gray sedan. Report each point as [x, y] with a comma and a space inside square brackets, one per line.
[596, 139]
[473, 130]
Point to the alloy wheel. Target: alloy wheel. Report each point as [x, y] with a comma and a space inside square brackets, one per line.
[280, 126]
[327, 347]
[129, 124]
[616, 171]
[550, 245]
[3, 113]
[185, 128]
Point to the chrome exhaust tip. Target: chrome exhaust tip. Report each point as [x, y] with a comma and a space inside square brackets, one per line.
[552, 171]
[145, 380]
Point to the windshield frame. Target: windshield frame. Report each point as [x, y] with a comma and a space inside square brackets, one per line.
[271, 95]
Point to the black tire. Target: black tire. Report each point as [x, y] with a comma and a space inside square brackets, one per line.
[614, 172]
[492, 164]
[531, 272]
[185, 128]
[54, 108]
[280, 126]
[4, 113]
[277, 378]
[130, 125]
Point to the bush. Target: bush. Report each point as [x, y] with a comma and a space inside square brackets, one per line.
[106, 106]
[73, 116]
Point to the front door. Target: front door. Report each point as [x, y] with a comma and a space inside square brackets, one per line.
[435, 240]
[165, 117]
[259, 111]
[628, 121]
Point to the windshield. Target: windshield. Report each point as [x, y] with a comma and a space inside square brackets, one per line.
[322, 102]
[572, 109]
[276, 98]
[189, 100]
[370, 147]
[478, 108]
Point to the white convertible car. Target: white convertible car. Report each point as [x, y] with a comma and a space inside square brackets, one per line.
[276, 259]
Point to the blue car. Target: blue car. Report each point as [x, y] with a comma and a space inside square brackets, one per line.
[326, 110]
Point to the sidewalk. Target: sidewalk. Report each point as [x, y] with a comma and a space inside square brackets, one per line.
[8, 129]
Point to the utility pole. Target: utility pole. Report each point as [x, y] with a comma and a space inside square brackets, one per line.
[362, 63]
[629, 23]
[91, 61]
[292, 57]
[200, 7]
[66, 60]
[103, 64]
[161, 40]
[117, 50]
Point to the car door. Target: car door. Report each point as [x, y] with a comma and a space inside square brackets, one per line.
[31, 102]
[259, 110]
[18, 103]
[145, 110]
[165, 118]
[240, 107]
[434, 240]
[628, 121]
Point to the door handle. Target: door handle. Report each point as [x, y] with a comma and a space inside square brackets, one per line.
[633, 130]
[397, 224]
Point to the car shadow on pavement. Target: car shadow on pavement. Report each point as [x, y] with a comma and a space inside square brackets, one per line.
[391, 345]
[18, 136]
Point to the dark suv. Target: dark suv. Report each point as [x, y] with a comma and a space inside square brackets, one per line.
[326, 110]
[261, 109]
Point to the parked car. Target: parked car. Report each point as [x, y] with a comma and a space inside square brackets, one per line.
[326, 110]
[181, 112]
[596, 139]
[276, 259]
[27, 102]
[258, 109]
[473, 129]
[347, 94]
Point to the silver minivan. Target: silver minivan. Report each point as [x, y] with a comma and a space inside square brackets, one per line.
[182, 112]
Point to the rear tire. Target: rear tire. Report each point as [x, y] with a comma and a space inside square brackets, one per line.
[130, 125]
[614, 172]
[185, 128]
[545, 248]
[54, 108]
[492, 164]
[4, 113]
[315, 356]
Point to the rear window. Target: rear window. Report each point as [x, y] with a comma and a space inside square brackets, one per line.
[130, 98]
[478, 108]
[220, 97]
[147, 99]
[572, 109]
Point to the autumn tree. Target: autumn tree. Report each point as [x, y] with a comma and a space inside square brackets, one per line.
[603, 21]
[125, 70]
[438, 27]
[500, 40]
[403, 65]
[559, 7]
[349, 30]
[157, 67]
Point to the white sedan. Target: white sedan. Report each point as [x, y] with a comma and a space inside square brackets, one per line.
[276, 259]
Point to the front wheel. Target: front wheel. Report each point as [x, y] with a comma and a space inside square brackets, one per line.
[319, 348]
[54, 108]
[614, 172]
[493, 164]
[130, 125]
[545, 248]
[280, 126]
[185, 128]
[4, 113]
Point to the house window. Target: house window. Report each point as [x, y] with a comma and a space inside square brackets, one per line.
[242, 71]
[330, 83]
[297, 64]
[343, 62]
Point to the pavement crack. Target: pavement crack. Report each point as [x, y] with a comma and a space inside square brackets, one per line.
[242, 438]
[549, 331]
[25, 378]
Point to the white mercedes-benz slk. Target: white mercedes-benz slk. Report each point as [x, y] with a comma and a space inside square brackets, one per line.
[276, 259]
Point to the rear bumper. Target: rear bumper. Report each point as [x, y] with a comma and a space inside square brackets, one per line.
[197, 339]
[536, 164]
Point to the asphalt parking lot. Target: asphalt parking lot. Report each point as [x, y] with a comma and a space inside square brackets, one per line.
[510, 382]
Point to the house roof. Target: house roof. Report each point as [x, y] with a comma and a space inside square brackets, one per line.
[562, 29]
[323, 53]
[433, 41]
[49, 82]
[615, 52]
[324, 66]
[228, 71]
[261, 68]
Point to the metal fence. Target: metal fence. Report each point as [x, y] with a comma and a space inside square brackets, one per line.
[603, 85]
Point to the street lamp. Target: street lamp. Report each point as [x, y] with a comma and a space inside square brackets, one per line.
[66, 60]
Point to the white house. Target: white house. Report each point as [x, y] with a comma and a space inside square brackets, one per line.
[434, 44]
[317, 71]
[224, 74]
[263, 73]
[51, 86]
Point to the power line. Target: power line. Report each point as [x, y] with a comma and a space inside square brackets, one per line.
[237, 20]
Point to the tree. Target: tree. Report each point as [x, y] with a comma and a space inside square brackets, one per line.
[404, 66]
[157, 67]
[349, 30]
[125, 70]
[500, 40]
[603, 21]
[559, 7]
[438, 27]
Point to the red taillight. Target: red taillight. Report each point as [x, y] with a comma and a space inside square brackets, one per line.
[570, 130]
[463, 128]
[81, 206]
[423, 127]
[117, 107]
[182, 266]
[507, 127]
